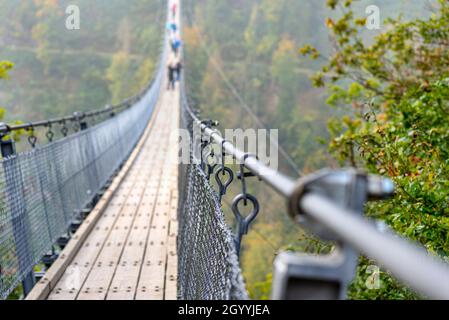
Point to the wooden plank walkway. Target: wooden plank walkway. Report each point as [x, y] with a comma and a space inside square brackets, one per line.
[130, 252]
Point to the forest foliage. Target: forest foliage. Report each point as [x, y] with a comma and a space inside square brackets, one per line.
[251, 47]
[377, 101]
[111, 57]
[5, 66]
[59, 71]
[377, 98]
[397, 88]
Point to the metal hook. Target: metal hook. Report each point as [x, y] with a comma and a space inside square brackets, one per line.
[223, 187]
[50, 134]
[76, 126]
[32, 139]
[244, 222]
[204, 143]
[64, 129]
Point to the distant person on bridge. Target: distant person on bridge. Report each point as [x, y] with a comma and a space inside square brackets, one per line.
[178, 69]
[174, 9]
[176, 44]
[173, 27]
[171, 69]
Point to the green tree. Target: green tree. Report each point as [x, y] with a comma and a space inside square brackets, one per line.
[5, 66]
[395, 95]
[283, 74]
[119, 84]
[74, 63]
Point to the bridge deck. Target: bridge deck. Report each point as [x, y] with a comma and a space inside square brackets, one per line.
[130, 252]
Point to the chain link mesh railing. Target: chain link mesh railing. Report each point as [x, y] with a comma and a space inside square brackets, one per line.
[43, 190]
[208, 262]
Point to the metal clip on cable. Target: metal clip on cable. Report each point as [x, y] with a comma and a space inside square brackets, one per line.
[327, 275]
[204, 145]
[206, 142]
[210, 123]
[32, 139]
[243, 223]
[50, 134]
[211, 165]
[64, 129]
[221, 173]
[4, 129]
[80, 121]
[349, 188]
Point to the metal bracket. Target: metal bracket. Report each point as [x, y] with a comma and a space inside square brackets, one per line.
[75, 224]
[80, 118]
[7, 146]
[4, 129]
[300, 276]
[63, 241]
[306, 276]
[349, 188]
[83, 125]
[49, 259]
[210, 123]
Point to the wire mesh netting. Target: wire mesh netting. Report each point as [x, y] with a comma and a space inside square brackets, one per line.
[208, 263]
[42, 191]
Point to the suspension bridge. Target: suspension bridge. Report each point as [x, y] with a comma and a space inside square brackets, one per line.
[128, 249]
[112, 214]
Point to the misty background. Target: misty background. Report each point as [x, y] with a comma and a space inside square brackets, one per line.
[238, 52]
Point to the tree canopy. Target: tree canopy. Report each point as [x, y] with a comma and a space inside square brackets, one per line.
[394, 91]
[5, 66]
[111, 57]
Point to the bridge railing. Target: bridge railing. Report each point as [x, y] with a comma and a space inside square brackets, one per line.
[46, 192]
[208, 267]
[330, 204]
[52, 129]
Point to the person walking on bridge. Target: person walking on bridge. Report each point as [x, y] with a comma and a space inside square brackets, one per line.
[174, 9]
[176, 44]
[178, 69]
[173, 27]
[171, 69]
